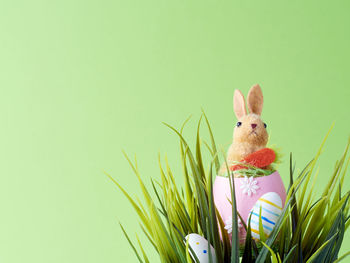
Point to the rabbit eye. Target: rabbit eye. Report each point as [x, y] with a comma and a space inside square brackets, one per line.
[265, 125]
[239, 124]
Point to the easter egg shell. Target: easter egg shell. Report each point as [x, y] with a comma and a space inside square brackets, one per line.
[270, 206]
[245, 201]
[199, 246]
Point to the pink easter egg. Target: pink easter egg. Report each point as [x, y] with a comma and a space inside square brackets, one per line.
[248, 191]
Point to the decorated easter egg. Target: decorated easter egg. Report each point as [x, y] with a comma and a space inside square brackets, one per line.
[248, 191]
[270, 207]
[200, 248]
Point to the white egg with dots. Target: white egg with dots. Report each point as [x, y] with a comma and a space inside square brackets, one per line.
[200, 248]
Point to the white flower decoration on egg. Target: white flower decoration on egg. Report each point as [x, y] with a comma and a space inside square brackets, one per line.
[249, 185]
[228, 224]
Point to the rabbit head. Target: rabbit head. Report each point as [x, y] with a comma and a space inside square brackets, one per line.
[249, 129]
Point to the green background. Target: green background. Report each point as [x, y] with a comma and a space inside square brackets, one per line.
[81, 80]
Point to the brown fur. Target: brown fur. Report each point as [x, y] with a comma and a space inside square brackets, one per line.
[255, 100]
[247, 140]
[239, 107]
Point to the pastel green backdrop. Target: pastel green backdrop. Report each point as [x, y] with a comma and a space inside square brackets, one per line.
[81, 80]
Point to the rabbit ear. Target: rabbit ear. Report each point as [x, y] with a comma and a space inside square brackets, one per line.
[255, 100]
[239, 104]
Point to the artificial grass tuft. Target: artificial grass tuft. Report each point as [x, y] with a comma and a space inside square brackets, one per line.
[310, 229]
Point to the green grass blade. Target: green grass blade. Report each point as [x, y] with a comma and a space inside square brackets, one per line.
[247, 253]
[261, 227]
[274, 257]
[342, 257]
[131, 244]
[142, 250]
[290, 254]
[209, 242]
[213, 145]
[235, 239]
[142, 216]
[199, 153]
[318, 252]
[188, 257]
[213, 219]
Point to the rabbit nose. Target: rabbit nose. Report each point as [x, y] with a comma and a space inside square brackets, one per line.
[254, 125]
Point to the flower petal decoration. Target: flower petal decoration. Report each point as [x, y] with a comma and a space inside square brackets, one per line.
[249, 185]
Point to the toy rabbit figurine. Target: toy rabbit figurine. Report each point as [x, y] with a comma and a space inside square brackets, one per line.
[250, 133]
[265, 192]
[249, 141]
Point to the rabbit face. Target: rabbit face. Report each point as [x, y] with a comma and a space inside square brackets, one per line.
[250, 129]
